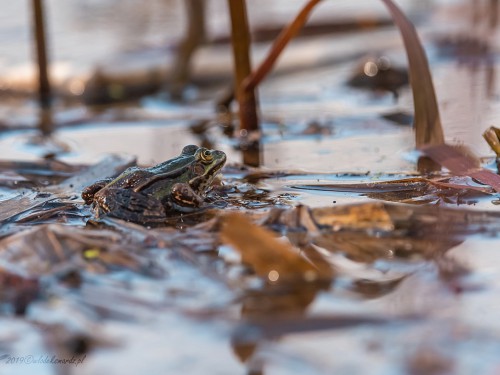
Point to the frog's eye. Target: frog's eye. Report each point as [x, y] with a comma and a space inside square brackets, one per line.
[206, 155]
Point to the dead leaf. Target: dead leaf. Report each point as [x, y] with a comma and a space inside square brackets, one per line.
[270, 258]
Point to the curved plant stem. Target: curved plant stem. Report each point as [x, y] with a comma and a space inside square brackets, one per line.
[428, 128]
[279, 45]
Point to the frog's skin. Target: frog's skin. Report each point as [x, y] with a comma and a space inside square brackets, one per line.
[148, 195]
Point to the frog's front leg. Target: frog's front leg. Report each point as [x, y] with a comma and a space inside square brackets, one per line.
[183, 198]
[89, 192]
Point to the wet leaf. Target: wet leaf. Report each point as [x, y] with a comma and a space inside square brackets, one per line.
[48, 249]
[109, 166]
[462, 162]
[270, 258]
[370, 187]
[39, 172]
[412, 190]
[29, 199]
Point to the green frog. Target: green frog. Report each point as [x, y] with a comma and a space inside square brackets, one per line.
[148, 195]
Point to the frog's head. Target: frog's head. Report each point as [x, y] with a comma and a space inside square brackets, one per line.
[205, 166]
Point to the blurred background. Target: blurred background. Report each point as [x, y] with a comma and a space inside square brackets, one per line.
[121, 62]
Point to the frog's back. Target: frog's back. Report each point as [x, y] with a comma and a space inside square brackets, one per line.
[129, 178]
[173, 166]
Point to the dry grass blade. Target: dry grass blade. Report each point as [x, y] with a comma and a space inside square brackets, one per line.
[462, 163]
[428, 128]
[282, 40]
[270, 258]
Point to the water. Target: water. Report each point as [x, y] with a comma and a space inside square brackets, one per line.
[419, 299]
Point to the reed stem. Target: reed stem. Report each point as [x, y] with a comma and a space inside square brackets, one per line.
[240, 37]
[44, 89]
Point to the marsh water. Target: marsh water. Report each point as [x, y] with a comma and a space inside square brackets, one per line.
[412, 276]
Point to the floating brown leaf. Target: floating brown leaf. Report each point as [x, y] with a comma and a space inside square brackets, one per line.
[268, 257]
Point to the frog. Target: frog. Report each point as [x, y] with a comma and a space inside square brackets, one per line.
[149, 195]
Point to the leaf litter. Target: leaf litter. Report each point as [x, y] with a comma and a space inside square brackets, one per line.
[289, 255]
